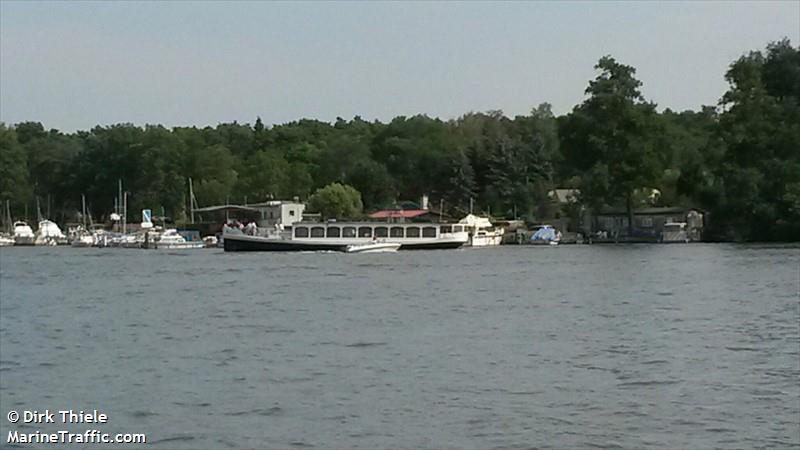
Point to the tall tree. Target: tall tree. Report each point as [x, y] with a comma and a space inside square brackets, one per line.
[14, 185]
[336, 201]
[608, 138]
[759, 173]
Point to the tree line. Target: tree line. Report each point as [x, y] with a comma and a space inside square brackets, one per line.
[739, 160]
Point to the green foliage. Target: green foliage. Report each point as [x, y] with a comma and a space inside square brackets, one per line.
[14, 185]
[336, 201]
[757, 174]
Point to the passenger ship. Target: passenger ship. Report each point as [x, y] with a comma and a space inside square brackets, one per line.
[336, 236]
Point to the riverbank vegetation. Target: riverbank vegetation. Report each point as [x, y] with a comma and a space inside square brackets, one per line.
[739, 160]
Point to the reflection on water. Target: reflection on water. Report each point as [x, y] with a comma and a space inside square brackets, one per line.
[691, 346]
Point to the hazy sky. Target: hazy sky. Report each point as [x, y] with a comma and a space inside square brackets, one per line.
[75, 65]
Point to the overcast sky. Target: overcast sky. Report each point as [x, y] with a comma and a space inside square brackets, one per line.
[75, 65]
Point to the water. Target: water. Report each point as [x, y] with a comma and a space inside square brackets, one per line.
[681, 346]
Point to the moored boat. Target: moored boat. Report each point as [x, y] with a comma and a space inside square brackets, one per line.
[6, 241]
[481, 231]
[546, 235]
[674, 232]
[23, 234]
[169, 239]
[49, 234]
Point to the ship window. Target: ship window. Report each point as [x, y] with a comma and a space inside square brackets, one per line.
[381, 232]
[349, 232]
[429, 232]
[364, 232]
[446, 229]
[334, 232]
[458, 229]
[412, 232]
[396, 232]
[301, 232]
[317, 232]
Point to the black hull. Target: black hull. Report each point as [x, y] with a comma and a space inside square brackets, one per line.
[276, 245]
[250, 244]
[432, 246]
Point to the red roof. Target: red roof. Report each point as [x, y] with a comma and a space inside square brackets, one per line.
[398, 213]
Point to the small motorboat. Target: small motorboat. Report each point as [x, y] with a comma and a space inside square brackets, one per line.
[6, 241]
[170, 239]
[373, 247]
[23, 234]
[81, 237]
[210, 241]
[546, 235]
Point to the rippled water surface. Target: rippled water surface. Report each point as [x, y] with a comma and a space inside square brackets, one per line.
[683, 346]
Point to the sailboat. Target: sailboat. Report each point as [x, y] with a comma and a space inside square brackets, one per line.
[82, 237]
[48, 233]
[7, 239]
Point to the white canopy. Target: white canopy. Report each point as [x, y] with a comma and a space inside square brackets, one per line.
[476, 221]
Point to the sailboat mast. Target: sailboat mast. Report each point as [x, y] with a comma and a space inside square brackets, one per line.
[119, 206]
[124, 213]
[9, 223]
[83, 209]
[191, 199]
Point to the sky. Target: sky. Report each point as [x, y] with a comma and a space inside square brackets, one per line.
[75, 65]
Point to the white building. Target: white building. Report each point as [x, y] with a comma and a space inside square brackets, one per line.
[279, 212]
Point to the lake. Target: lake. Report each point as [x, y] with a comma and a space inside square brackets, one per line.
[634, 346]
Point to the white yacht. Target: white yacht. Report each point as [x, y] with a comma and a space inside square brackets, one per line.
[49, 234]
[337, 236]
[481, 231]
[23, 234]
[170, 239]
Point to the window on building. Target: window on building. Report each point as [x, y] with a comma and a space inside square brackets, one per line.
[364, 232]
[381, 232]
[291, 212]
[301, 232]
[334, 232]
[396, 232]
[412, 232]
[317, 232]
[646, 222]
[429, 232]
[349, 232]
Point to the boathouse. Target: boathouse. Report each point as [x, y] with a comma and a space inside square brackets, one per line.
[648, 223]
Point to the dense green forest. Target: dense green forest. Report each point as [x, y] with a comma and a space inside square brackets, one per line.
[738, 160]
